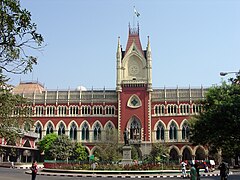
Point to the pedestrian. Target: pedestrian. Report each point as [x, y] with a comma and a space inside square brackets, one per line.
[34, 170]
[224, 170]
[193, 172]
[197, 170]
[12, 165]
[183, 168]
[205, 167]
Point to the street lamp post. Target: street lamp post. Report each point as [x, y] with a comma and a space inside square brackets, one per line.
[226, 73]
[233, 80]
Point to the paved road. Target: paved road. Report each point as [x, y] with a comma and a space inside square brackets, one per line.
[19, 174]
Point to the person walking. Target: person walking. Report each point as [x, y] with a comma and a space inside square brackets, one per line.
[193, 172]
[224, 170]
[34, 170]
[197, 170]
[183, 167]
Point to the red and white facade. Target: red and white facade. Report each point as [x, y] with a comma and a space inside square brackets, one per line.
[151, 115]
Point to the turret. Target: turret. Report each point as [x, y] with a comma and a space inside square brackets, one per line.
[119, 58]
[149, 66]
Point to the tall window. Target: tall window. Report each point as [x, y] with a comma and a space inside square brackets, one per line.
[196, 108]
[184, 109]
[85, 132]
[135, 129]
[97, 110]
[159, 109]
[62, 110]
[39, 110]
[50, 110]
[86, 110]
[110, 110]
[109, 132]
[172, 109]
[61, 129]
[97, 132]
[73, 110]
[185, 131]
[49, 128]
[173, 131]
[73, 132]
[160, 132]
[38, 130]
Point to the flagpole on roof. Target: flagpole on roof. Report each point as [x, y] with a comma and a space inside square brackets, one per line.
[135, 13]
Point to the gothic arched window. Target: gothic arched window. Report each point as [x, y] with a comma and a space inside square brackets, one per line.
[173, 131]
[97, 132]
[135, 129]
[85, 132]
[49, 128]
[109, 131]
[160, 132]
[61, 129]
[185, 131]
[73, 132]
[38, 130]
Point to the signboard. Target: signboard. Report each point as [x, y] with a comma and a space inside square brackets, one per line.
[91, 157]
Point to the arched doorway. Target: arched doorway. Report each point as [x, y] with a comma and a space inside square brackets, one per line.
[135, 129]
[200, 154]
[173, 156]
[186, 155]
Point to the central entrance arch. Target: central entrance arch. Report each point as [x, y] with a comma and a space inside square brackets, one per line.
[134, 127]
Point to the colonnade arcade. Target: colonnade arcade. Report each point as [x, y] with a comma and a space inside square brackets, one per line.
[171, 132]
[177, 154]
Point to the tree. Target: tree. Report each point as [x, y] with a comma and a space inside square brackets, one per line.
[79, 152]
[46, 144]
[18, 36]
[108, 151]
[218, 124]
[61, 148]
[15, 111]
[158, 153]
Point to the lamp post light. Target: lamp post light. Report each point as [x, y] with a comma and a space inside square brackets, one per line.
[233, 80]
[226, 73]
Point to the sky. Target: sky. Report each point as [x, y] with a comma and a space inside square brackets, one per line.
[192, 41]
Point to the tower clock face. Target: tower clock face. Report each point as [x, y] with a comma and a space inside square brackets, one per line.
[134, 69]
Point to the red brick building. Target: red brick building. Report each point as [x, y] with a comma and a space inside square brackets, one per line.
[150, 115]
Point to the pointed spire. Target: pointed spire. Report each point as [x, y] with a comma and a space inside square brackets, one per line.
[119, 50]
[149, 65]
[119, 58]
[148, 45]
[133, 37]
[119, 41]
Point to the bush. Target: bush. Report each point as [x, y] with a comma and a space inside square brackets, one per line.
[106, 166]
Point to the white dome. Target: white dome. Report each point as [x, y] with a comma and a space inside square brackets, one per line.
[81, 88]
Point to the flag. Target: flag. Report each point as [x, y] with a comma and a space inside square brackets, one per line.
[136, 12]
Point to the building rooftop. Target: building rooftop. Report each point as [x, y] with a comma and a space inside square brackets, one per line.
[28, 87]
